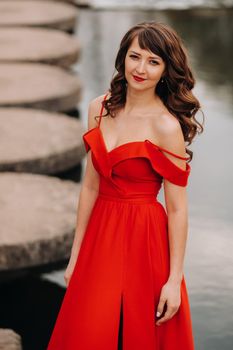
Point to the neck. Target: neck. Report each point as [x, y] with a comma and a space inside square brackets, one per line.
[137, 100]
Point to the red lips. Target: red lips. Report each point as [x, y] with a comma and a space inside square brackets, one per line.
[138, 78]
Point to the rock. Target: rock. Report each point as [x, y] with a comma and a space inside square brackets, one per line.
[9, 340]
[83, 3]
[38, 219]
[38, 86]
[41, 142]
[38, 45]
[38, 13]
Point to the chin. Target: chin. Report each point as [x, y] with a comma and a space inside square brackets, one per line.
[136, 86]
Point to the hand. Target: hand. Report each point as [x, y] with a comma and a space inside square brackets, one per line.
[68, 273]
[70, 268]
[170, 294]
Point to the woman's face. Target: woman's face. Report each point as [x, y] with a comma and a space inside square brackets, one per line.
[143, 64]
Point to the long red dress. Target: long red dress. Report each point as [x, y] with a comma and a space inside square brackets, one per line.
[123, 260]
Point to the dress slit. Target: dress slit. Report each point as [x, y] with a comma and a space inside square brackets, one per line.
[120, 345]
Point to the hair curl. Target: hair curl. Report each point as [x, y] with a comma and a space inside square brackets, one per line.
[175, 91]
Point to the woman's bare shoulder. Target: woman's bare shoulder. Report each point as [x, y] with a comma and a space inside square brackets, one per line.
[96, 103]
[169, 132]
[167, 124]
[94, 109]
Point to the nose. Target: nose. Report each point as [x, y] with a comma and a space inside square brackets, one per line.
[141, 67]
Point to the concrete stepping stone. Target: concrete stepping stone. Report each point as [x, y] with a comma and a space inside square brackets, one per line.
[38, 86]
[38, 219]
[80, 3]
[68, 1]
[83, 3]
[37, 141]
[38, 45]
[9, 340]
[38, 13]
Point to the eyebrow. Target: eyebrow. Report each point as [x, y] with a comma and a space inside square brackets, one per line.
[156, 57]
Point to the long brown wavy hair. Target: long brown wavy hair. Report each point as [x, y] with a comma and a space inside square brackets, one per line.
[178, 81]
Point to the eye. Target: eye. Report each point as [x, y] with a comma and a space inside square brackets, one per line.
[154, 62]
[133, 56]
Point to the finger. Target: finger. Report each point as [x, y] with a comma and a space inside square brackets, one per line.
[173, 309]
[66, 281]
[160, 307]
[166, 317]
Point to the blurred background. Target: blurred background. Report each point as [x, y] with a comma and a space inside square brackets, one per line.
[55, 56]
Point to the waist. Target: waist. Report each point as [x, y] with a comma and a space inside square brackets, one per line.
[145, 198]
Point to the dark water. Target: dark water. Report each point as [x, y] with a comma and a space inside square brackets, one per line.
[209, 259]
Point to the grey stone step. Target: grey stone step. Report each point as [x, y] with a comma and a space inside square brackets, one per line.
[38, 45]
[38, 219]
[38, 86]
[76, 2]
[38, 13]
[37, 141]
[9, 340]
[83, 3]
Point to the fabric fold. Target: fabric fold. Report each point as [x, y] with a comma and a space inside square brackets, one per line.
[92, 141]
[160, 163]
[165, 167]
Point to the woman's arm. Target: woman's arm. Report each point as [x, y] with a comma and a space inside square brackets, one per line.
[177, 211]
[176, 204]
[88, 193]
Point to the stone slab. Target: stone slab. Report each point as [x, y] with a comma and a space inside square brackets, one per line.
[83, 3]
[38, 45]
[38, 13]
[76, 2]
[38, 218]
[40, 142]
[9, 340]
[38, 86]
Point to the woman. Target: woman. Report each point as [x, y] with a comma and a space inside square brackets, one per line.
[125, 282]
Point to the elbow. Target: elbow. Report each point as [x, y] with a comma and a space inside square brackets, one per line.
[179, 210]
[91, 187]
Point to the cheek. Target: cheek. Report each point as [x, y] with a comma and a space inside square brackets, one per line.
[129, 65]
[155, 73]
